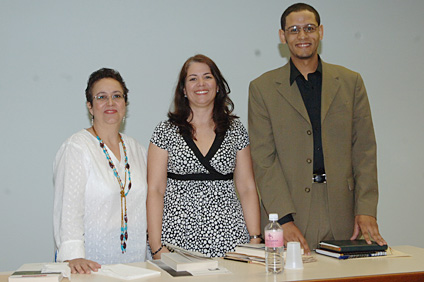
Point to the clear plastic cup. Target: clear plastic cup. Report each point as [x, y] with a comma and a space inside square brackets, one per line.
[293, 256]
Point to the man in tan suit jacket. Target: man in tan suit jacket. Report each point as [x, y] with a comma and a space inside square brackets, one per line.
[321, 178]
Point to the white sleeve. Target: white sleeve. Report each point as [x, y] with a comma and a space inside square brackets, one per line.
[70, 179]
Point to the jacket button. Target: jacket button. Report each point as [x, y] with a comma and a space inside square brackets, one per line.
[308, 161]
[309, 132]
[307, 189]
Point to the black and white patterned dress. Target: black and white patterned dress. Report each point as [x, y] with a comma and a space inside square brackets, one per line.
[202, 213]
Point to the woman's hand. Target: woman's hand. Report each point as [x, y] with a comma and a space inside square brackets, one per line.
[158, 254]
[83, 266]
[157, 163]
[246, 188]
[255, 241]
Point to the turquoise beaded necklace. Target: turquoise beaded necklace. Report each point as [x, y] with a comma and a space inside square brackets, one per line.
[124, 218]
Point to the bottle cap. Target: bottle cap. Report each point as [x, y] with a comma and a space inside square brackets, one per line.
[273, 216]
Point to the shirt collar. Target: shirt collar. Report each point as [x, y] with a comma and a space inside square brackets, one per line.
[294, 72]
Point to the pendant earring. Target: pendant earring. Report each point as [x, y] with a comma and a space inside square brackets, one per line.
[185, 95]
[92, 120]
[123, 119]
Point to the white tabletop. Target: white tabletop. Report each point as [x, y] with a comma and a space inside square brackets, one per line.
[323, 268]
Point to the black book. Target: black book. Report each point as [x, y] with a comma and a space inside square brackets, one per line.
[349, 255]
[343, 246]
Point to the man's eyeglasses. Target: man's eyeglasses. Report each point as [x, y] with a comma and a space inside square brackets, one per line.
[104, 98]
[310, 28]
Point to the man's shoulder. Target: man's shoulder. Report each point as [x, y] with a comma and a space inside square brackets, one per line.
[338, 70]
[272, 75]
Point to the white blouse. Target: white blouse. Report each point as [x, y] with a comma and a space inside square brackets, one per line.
[87, 201]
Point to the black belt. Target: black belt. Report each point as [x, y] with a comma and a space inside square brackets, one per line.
[319, 178]
[201, 176]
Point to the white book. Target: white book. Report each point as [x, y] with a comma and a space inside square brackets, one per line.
[187, 262]
[257, 250]
[32, 273]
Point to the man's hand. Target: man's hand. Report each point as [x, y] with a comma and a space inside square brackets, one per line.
[83, 266]
[369, 228]
[293, 234]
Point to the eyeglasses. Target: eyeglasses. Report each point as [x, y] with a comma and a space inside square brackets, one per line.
[104, 98]
[310, 28]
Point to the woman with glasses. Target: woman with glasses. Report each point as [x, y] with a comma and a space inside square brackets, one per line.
[198, 160]
[100, 185]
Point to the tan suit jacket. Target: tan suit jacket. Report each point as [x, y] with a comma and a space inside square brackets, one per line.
[282, 147]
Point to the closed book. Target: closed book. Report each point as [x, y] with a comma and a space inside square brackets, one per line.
[257, 250]
[349, 255]
[34, 276]
[342, 246]
[186, 262]
[244, 258]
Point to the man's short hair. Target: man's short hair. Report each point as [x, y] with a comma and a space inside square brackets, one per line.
[297, 8]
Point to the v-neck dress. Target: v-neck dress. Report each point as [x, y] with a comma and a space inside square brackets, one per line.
[201, 209]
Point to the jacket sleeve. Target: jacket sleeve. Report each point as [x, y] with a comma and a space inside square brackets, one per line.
[272, 186]
[364, 154]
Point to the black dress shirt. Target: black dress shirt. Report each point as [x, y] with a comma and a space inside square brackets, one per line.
[311, 94]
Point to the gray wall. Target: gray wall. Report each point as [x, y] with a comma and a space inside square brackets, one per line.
[49, 48]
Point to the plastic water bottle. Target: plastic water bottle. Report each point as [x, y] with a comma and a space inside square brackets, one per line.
[274, 245]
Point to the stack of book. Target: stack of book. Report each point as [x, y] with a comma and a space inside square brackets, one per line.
[346, 249]
[254, 253]
[183, 260]
[33, 272]
[35, 275]
[249, 253]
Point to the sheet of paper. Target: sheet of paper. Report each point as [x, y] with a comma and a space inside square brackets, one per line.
[126, 272]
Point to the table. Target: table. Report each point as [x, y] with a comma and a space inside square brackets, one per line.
[385, 269]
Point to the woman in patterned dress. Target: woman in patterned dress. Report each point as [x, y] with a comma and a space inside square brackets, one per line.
[197, 160]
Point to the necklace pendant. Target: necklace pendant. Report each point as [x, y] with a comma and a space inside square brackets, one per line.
[124, 219]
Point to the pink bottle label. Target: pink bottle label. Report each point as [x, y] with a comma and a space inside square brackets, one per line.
[274, 238]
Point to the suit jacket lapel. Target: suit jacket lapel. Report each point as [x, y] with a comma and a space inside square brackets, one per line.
[293, 95]
[330, 87]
